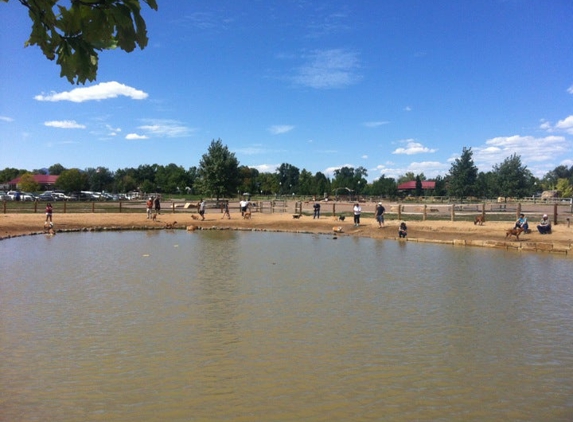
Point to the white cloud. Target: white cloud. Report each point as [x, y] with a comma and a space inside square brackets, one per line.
[529, 148]
[132, 136]
[6, 119]
[266, 168]
[102, 91]
[365, 157]
[407, 108]
[570, 89]
[413, 147]
[430, 169]
[565, 125]
[326, 69]
[375, 124]
[166, 129]
[280, 129]
[65, 124]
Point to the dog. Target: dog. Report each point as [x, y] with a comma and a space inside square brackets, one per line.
[480, 219]
[154, 216]
[337, 229]
[296, 216]
[247, 215]
[170, 225]
[513, 232]
[49, 228]
[192, 228]
[339, 218]
[194, 217]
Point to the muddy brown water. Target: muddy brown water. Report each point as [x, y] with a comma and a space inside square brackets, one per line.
[225, 325]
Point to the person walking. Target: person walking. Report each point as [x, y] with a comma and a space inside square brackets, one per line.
[202, 209]
[380, 214]
[357, 210]
[226, 210]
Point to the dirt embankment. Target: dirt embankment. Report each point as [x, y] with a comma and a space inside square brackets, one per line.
[491, 234]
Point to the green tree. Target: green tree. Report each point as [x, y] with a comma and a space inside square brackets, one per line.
[350, 178]
[219, 171]
[419, 191]
[288, 177]
[322, 185]
[564, 188]
[27, 183]
[72, 180]
[56, 169]
[463, 175]
[384, 186]
[10, 173]
[74, 32]
[512, 179]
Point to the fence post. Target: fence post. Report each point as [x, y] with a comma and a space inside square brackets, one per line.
[93, 206]
[399, 211]
[4, 206]
[518, 211]
[555, 214]
[483, 210]
[120, 207]
[333, 209]
[173, 207]
[453, 213]
[65, 206]
[35, 207]
[425, 212]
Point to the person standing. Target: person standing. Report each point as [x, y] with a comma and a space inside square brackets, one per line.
[157, 206]
[49, 211]
[380, 214]
[226, 210]
[244, 204]
[202, 209]
[149, 205]
[357, 210]
[316, 207]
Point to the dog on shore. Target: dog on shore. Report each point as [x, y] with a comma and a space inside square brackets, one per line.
[170, 225]
[194, 217]
[339, 218]
[192, 228]
[154, 217]
[296, 216]
[513, 232]
[337, 229]
[480, 219]
[247, 215]
[49, 228]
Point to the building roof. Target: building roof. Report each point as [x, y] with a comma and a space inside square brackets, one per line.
[411, 185]
[42, 179]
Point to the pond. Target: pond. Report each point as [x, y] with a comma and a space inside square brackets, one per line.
[228, 325]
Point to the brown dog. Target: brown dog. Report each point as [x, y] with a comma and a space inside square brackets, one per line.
[194, 217]
[247, 215]
[480, 219]
[513, 232]
[337, 229]
[154, 216]
[192, 228]
[170, 225]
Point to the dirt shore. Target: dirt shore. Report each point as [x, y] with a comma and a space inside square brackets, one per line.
[491, 234]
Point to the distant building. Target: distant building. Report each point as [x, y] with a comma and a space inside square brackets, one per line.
[45, 181]
[411, 185]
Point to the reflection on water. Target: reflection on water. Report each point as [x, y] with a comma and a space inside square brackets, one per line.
[224, 325]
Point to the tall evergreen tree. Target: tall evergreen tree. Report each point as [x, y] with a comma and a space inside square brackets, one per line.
[463, 175]
[219, 171]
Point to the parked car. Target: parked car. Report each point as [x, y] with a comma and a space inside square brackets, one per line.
[3, 196]
[26, 196]
[46, 196]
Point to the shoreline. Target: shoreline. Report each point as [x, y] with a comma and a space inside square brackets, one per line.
[490, 234]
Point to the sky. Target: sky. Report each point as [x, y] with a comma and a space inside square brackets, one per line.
[392, 86]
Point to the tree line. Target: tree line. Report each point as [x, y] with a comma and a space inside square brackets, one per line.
[219, 174]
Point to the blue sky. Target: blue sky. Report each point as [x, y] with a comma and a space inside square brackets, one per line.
[392, 86]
